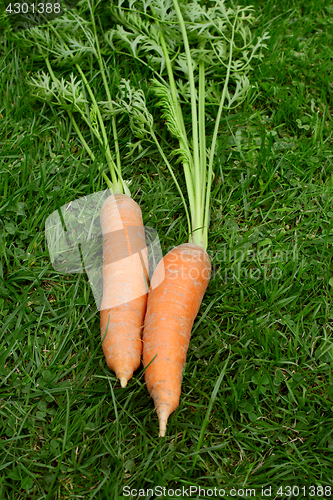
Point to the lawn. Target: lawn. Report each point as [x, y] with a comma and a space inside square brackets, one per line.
[256, 410]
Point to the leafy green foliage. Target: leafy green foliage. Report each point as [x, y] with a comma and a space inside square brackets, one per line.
[209, 30]
[215, 38]
[67, 94]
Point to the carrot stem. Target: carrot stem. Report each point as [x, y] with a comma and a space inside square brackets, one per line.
[196, 177]
[117, 182]
[183, 141]
[106, 86]
[216, 129]
[202, 135]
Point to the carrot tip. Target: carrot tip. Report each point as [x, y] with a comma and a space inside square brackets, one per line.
[162, 422]
[123, 382]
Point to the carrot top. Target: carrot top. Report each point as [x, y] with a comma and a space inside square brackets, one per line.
[200, 56]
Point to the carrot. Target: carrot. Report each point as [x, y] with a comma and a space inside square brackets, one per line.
[125, 276]
[171, 309]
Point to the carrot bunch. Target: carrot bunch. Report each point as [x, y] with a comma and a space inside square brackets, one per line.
[191, 49]
[200, 59]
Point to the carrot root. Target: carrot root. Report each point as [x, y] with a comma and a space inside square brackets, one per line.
[171, 310]
[163, 419]
[123, 382]
[124, 301]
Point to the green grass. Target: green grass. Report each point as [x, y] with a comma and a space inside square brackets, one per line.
[67, 430]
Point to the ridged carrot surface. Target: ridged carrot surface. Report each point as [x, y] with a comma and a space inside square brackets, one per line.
[171, 309]
[125, 265]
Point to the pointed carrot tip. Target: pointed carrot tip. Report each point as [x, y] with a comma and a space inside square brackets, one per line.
[123, 382]
[162, 421]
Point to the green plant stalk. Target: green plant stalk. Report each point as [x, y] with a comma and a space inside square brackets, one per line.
[173, 88]
[117, 186]
[197, 230]
[202, 136]
[60, 100]
[183, 142]
[213, 145]
[112, 166]
[78, 131]
[107, 90]
[98, 137]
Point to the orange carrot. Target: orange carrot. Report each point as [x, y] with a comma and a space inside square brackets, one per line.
[125, 278]
[171, 309]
